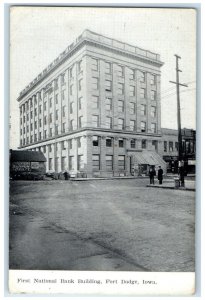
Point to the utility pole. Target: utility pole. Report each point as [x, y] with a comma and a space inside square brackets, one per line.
[178, 84]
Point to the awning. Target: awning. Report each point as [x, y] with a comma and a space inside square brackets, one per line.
[147, 158]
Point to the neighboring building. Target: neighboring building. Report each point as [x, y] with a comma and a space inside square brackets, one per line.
[170, 148]
[96, 109]
[26, 164]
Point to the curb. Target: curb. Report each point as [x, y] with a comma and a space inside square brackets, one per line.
[170, 188]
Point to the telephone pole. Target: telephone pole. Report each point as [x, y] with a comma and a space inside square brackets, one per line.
[178, 84]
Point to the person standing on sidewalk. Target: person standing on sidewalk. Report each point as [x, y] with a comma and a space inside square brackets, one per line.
[152, 173]
[160, 175]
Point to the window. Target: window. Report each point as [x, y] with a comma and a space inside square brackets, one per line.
[95, 121]
[56, 84]
[63, 158]
[153, 111]
[95, 101]
[79, 142]
[70, 142]
[120, 88]
[120, 71]
[50, 102]
[176, 146]
[108, 85]
[142, 93]
[154, 144]
[80, 66]
[45, 120]
[80, 162]
[45, 105]
[63, 111]
[108, 68]
[35, 112]
[133, 143]
[71, 72]
[153, 127]
[108, 142]
[165, 146]
[143, 109]
[50, 131]
[45, 134]
[94, 64]
[71, 107]
[95, 83]
[80, 123]
[108, 104]
[95, 141]
[120, 106]
[35, 125]
[31, 114]
[40, 109]
[132, 90]
[132, 108]
[50, 148]
[24, 130]
[56, 129]
[108, 122]
[63, 127]
[71, 162]
[109, 162]
[142, 76]
[24, 119]
[21, 121]
[44, 149]
[80, 101]
[56, 114]
[121, 143]
[96, 161]
[144, 144]
[80, 84]
[39, 135]
[27, 117]
[40, 122]
[132, 125]
[50, 118]
[50, 163]
[153, 95]
[63, 95]
[71, 124]
[71, 89]
[120, 124]
[63, 145]
[121, 162]
[35, 137]
[143, 126]
[132, 74]
[152, 79]
[171, 147]
[56, 98]
[56, 147]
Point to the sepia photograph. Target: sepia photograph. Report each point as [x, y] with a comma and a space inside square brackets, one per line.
[102, 148]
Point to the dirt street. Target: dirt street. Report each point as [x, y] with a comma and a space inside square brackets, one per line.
[100, 225]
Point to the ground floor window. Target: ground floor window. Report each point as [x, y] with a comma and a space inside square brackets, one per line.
[133, 143]
[56, 164]
[96, 162]
[80, 162]
[63, 160]
[50, 164]
[121, 162]
[71, 162]
[109, 162]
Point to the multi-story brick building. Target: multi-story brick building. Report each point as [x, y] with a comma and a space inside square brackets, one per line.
[96, 108]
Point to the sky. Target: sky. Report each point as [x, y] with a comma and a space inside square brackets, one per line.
[38, 35]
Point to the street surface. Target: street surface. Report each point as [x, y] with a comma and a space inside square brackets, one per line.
[100, 225]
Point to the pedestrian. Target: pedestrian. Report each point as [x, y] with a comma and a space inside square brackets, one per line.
[152, 173]
[160, 175]
[66, 175]
[181, 175]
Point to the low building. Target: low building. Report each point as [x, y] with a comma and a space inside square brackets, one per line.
[27, 164]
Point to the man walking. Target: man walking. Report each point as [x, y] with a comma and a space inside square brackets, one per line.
[160, 175]
[152, 173]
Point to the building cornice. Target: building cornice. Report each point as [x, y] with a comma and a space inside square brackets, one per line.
[85, 39]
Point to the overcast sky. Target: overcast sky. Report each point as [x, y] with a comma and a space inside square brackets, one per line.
[39, 35]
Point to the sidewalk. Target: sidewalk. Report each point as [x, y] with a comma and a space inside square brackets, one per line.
[170, 184]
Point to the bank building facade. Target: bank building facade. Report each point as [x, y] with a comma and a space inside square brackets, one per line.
[95, 109]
